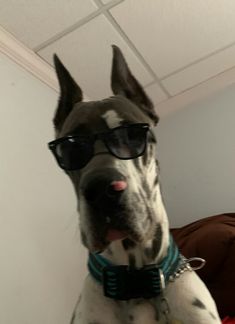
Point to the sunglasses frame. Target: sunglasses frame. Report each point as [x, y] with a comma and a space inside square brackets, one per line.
[101, 136]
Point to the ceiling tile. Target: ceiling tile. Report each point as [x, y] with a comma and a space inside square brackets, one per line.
[34, 22]
[156, 93]
[200, 71]
[105, 1]
[87, 54]
[171, 34]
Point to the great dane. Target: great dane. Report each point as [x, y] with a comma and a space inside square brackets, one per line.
[108, 149]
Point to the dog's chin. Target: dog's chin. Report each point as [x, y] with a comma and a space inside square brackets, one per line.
[102, 236]
[115, 236]
[99, 246]
[111, 236]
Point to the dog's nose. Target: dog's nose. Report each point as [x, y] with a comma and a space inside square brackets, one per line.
[104, 188]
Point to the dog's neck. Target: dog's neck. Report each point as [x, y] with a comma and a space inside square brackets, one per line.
[126, 252]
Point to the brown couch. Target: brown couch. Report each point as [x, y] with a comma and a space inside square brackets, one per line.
[213, 238]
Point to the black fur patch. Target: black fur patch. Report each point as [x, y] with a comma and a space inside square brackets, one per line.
[137, 163]
[212, 315]
[152, 253]
[156, 180]
[128, 244]
[132, 261]
[157, 242]
[146, 156]
[150, 215]
[198, 303]
[109, 251]
[146, 188]
[131, 318]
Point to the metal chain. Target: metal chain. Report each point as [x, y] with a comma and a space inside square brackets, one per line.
[165, 308]
[186, 266]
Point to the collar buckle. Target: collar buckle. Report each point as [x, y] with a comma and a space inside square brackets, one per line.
[123, 282]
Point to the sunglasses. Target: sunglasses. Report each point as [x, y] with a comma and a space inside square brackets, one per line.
[73, 152]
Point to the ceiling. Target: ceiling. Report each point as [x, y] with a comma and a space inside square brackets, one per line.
[173, 47]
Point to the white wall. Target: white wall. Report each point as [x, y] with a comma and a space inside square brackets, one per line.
[196, 148]
[41, 262]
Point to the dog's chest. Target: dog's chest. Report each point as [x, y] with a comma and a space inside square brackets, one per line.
[139, 311]
[144, 311]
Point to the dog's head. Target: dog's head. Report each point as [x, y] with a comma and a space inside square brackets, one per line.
[107, 148]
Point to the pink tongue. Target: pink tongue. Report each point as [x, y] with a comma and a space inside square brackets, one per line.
[114, 235]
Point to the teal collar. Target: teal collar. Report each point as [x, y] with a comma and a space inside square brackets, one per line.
[124, 282]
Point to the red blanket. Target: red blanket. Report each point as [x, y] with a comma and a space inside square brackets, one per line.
[228, 320]
[213, 239]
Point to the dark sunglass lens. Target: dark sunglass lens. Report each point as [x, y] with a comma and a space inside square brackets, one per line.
[128, 142]
[74, 154]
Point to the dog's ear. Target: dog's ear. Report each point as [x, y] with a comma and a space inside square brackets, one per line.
[70, 93]
[125, 84]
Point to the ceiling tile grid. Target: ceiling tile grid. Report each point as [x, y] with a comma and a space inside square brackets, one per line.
[201, 71]
[171, 34]
[170, 45]
[34, 22]
[87, 53]
[105, 1]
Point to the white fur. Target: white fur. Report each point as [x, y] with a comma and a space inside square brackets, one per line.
[112, 119]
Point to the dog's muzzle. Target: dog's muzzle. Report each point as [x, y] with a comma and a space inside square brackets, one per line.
[104, 189]
[105, 192]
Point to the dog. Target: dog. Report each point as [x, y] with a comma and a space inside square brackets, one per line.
[108, 149]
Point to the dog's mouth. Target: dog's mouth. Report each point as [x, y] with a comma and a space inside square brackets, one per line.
[112, 222]
[101, 241]
[114, 235]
